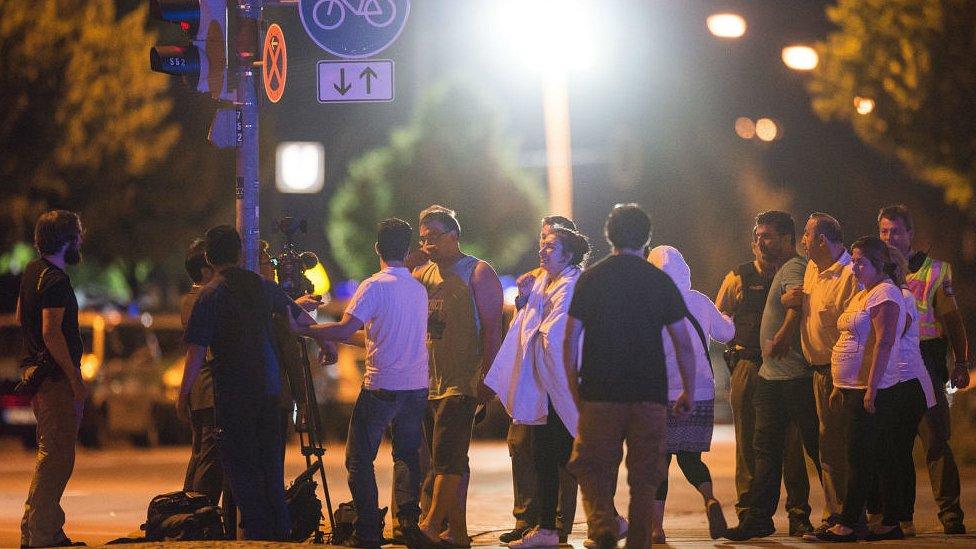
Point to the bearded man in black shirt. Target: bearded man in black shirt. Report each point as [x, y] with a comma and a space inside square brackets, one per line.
[48, 315]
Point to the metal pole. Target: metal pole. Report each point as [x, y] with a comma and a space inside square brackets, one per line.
[555, 102]
[248, 179]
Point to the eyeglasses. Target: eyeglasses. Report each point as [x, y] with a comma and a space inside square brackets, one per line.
[430, 236]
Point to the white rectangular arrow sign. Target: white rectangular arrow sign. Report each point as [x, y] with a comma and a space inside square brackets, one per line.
[355, 81]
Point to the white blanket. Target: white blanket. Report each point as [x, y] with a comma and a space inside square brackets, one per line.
[529, 365]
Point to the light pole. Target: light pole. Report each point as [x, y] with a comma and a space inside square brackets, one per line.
[552, 37]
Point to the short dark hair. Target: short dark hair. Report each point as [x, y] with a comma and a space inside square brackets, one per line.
[445, 216]
[781, 221]
[223, 245]
[628, 226]
[393, 239]
[828, 227]
[559, 221]
[573, 242]
[54, 229]
[196, 260]
[895, 212]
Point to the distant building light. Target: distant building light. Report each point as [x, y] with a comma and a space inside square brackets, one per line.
[863, 105]
[766, 129]
[300, 167]
[800, 58]
[745, 128]
[726, 25]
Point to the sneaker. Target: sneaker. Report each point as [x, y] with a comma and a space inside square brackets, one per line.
[954, 528]
[745, 531]
[894, 533]
[907, 528]
[800, 526]
[563, 538]
[827, 536]
[537, 537]
[622, 526]
[514, 534]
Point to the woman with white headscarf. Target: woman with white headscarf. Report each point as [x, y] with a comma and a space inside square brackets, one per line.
[690, 435]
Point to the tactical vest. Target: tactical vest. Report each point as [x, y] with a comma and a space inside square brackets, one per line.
[923, 284]
[748, 315]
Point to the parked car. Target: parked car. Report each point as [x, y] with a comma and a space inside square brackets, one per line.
[127, 360]
[16, 415]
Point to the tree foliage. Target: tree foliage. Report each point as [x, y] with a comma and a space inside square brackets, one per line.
[454, 152]
[915, 59]
[80, 113]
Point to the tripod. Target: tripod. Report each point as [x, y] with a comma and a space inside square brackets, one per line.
[308, 426]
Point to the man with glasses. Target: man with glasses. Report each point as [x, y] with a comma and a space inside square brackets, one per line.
[464, 332]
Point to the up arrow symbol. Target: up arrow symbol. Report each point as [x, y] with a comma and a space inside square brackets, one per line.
[369, 74]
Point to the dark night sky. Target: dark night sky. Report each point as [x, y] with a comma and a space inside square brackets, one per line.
[651, 122]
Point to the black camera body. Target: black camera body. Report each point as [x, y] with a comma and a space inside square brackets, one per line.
[291, 263]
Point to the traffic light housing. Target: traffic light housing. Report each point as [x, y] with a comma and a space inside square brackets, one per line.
[208, 61]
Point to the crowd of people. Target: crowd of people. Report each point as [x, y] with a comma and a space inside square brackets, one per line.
[836, 356]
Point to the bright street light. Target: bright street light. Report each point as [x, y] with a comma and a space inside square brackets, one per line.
[300, 167]
[551, 37]
[547, 34]
[863, 105]
[745, 128]
[726, 25]
[800, 58]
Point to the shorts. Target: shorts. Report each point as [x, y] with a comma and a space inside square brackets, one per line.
[450, 436]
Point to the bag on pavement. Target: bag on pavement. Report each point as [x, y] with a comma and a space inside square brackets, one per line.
[304, 507]
[182, 516]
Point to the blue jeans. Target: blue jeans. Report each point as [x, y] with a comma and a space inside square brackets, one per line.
[375, 411]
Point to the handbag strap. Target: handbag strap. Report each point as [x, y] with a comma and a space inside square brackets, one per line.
[704, 340]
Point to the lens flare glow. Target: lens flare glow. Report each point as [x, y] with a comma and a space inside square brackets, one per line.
[766, 129]
[745, 128]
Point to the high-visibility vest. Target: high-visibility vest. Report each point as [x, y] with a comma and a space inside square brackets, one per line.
[923, 284]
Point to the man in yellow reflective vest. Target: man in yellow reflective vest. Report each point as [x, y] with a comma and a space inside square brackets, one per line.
[940, 326]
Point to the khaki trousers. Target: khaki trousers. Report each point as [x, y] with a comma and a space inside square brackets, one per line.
[603, 429]
[58, 420]
[834, 426]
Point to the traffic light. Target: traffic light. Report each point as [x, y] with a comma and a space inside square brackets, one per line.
[204, 62]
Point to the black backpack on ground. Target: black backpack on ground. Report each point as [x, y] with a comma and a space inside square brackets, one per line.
[304, 507]
[182, 516]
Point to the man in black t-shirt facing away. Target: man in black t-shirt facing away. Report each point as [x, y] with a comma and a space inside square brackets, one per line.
[624, 304]
[48, 315]
[232, 317]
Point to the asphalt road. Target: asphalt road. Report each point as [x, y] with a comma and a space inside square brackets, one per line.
[107, 496]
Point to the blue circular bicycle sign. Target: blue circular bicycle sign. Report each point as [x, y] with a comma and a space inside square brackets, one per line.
[354, 28]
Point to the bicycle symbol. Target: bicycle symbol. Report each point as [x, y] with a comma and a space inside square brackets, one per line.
[335, 12]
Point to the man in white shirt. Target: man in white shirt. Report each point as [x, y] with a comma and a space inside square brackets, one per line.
[828, 287]
[392, 306]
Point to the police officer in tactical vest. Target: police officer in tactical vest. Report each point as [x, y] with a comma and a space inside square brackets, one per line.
[743, 297]
[940, 327]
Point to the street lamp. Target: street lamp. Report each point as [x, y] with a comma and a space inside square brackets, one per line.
[726, 25]
[552, 37]
[800, 58]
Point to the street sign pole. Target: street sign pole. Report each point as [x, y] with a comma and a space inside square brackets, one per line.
[248, 179]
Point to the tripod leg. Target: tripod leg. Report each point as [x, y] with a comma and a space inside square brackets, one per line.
[314, 422]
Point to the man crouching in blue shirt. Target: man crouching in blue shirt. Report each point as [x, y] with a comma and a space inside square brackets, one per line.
[232, 317]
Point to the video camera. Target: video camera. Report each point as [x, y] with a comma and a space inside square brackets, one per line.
[290, 264]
